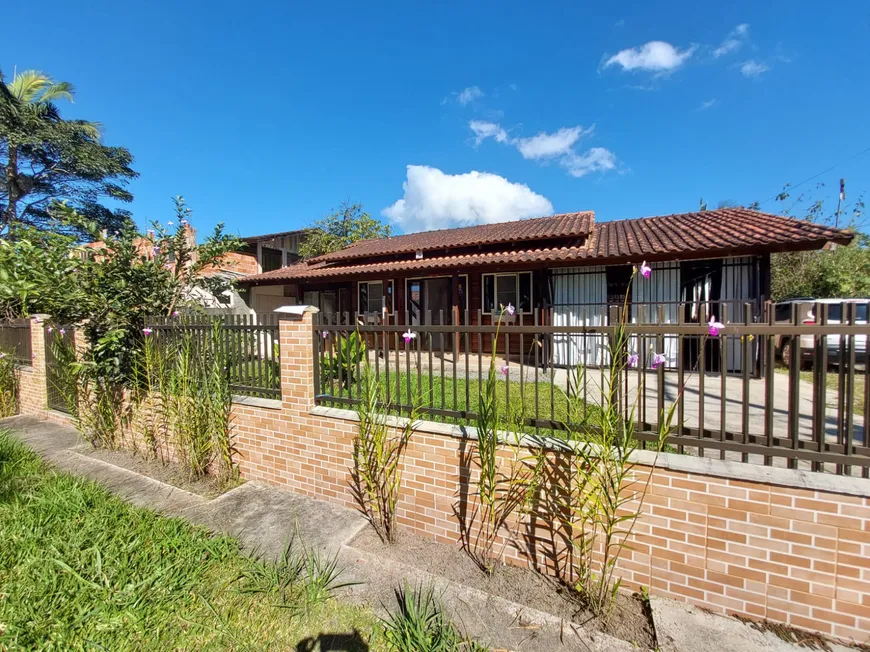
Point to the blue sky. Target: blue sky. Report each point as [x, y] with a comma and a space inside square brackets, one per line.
[266, 115]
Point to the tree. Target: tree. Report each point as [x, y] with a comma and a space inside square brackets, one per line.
[841, 272]
[341, 228]
[46, 158]
[111, 286]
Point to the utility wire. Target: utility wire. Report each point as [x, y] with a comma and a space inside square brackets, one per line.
[815, 176]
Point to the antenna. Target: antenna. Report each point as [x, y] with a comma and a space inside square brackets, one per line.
[840, 200]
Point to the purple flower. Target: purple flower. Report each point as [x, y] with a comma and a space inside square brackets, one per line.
[325, 334]
[50, 329]
[715, 326]
[150, 233]
[156, 251]
[62, 331]
[509, 309]
[147, 331]
[37, 319]
[408, 335]
[169, 223]
[504, 369]
[175, 313]
[658, 358]
[632, 359]
[645, 270]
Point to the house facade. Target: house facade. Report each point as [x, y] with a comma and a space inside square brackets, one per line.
[562, 270]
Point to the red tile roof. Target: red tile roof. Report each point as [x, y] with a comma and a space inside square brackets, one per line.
[721, 232]
[566, 225]
[717, 230]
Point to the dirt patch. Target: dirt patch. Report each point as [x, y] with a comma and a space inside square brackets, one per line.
[168, 472]
[629, 621]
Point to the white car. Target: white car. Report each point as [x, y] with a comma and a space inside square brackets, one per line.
[837, 314]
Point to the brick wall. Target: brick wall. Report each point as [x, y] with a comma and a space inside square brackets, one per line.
[788, 546]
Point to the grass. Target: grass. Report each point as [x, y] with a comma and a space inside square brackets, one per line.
[81, 569]
[443, 393]
[832, 383]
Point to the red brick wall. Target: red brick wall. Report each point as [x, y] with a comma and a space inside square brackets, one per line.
[752, 548]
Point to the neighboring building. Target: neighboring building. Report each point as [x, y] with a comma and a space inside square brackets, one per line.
[264, 254]
[561, 270]
[261, 253]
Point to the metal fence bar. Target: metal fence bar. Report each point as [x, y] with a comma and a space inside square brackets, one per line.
[771, 416]
[15, 339]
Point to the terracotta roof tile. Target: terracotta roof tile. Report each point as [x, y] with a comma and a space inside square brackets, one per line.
[566, 225]
[720, 232]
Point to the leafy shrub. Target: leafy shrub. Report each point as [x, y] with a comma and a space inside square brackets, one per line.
[8, 385]
[343, 359]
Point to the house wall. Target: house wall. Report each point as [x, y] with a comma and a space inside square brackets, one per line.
[268, 298]
[785, 545]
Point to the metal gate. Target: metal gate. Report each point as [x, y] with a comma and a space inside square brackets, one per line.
[60, 387]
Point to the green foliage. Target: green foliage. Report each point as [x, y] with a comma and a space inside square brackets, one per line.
[112, 286]
[45, 158]
[83, 570]
[377, 456]
[343, 358]
[301, 579]
[505, 483]
[843, 272]
[420, 625]
[8, 385]
[186, 385]
[38, 274]
[341, 228]
[604, 496]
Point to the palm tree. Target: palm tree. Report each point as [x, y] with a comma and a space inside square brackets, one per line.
[31, 95]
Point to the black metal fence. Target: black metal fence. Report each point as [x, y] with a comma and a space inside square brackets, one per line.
[60, 386]
[249, 344]
[735, 398]
[15, 339]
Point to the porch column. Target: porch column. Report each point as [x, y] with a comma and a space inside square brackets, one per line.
[455, 287]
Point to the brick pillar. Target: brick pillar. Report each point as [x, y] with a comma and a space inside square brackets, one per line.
[34, 396]
[296, 336]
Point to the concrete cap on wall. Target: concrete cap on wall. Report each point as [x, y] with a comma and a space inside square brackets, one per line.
[296, 311]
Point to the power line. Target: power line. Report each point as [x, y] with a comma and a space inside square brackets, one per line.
[815, 176]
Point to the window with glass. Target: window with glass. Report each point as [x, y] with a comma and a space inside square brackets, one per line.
[514, 288]
[371, 294]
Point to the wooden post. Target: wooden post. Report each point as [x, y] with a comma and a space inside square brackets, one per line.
[455, 322]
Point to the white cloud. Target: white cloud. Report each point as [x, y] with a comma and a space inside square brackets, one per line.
[655, 56]
[753, 68]
[735, 40]
[435, 200]
[709, 104]
[557, 145]
[596, 159]
[468, 95]
[546, 145]
[483, 130]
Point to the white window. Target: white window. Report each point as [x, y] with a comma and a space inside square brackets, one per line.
[514, 288]
[370, 296]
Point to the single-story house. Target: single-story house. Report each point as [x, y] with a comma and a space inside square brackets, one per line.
[564, 269]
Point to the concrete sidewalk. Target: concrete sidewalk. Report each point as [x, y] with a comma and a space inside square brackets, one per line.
[264, 518]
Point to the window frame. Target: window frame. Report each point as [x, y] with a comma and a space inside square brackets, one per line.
[391, 293]
[516, 302]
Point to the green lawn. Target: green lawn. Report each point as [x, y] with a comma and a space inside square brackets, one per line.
[525, 401]
[83, 570]
[832, 383]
